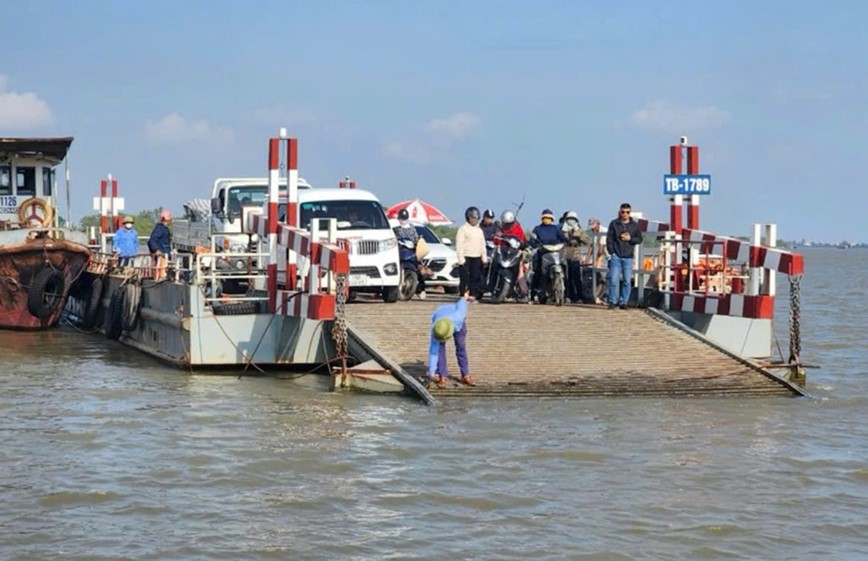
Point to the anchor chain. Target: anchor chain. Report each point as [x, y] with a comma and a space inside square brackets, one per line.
[795, 318]
[339, 327]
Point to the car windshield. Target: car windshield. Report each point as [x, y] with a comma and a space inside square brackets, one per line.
[350, 214]
[426, 234]
[246, 196]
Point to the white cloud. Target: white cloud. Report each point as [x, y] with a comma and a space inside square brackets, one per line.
[435, 141]
[173, 129]
[412, 154]
[282, 116]
[22, 110]
[668, 117]
[454, 126]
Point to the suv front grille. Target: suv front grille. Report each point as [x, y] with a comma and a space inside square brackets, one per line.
[366, 247]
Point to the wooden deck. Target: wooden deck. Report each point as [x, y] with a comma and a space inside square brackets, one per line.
[575, 350]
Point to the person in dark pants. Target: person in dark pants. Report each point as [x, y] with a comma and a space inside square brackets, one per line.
[448, 321]
[623, 234]
[470, 247]
[544, 233]
[576, 238]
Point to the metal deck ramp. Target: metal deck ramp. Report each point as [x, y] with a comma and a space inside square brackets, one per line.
[574, 350]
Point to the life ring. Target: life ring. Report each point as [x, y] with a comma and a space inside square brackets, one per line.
[46, 293]
[91, 307]
[114, 317]
[32, 219]
[132, 301]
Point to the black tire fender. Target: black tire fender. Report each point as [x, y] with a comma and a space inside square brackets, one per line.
[114, 317]
[94, 298]
[46, 293]
[131, 306]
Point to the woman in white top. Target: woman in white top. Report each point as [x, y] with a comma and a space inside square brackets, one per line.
[470, 246]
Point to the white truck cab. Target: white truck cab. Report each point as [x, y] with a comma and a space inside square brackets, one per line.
[374, 263]
[228, 197]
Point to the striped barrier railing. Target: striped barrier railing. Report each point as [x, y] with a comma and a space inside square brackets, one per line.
[311, 296]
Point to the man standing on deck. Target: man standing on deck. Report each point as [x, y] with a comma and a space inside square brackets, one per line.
[126, 243]
[449, 320]
[623, 234]
[160, 244]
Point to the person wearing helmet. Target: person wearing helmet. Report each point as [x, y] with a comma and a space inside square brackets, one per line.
[544, 233]
[573, 253]
[405, 231]
[470, 247]
[448, 321]
[126, 242]
[509, 226]
[488, 226]
[160, 244]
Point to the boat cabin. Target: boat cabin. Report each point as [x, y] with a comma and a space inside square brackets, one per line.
[28, 181]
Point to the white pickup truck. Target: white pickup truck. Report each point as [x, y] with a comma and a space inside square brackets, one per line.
[220, 221]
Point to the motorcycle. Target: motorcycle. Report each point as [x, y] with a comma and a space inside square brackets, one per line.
[409, 269]
[552, 271]
[503, 268]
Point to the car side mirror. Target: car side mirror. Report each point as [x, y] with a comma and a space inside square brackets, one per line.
[446, 241]
[216, 207]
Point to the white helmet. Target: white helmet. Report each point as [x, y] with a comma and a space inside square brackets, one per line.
[508, 217]
[572, 215]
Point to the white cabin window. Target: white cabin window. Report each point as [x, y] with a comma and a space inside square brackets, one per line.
[5, 180]
[25, 180]
[47, 182]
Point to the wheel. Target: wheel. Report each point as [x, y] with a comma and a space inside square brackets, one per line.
[499, 296]
[91, 308]
[544, 291]
[114, 316]
[390, 294]
[559, 289]
[46, 293]
[407, 287]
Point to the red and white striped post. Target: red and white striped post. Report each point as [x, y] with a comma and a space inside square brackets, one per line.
[693, 205]
[103, 217]
[277, 256]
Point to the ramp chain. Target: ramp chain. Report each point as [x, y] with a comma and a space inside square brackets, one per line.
[339, 328]
[795, 318]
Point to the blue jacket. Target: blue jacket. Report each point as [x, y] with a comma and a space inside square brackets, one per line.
[126, 242]
[161, 239]
[547, 234]
[457, 312]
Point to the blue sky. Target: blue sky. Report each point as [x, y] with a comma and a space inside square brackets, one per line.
[571, 105]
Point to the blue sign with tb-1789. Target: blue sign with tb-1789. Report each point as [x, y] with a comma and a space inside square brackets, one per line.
[686, 184]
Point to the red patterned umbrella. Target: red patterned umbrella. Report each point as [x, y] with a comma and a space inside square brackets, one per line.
[420, 211]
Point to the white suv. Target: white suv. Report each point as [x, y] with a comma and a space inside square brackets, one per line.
[374, 263]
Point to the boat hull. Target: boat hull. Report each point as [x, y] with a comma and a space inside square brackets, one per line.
[46, 265]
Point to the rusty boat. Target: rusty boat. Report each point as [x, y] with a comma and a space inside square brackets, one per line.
[40, 261]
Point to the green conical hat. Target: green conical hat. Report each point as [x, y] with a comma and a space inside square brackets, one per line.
[443, 329]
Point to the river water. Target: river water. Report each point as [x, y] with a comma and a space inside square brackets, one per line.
[107, 454]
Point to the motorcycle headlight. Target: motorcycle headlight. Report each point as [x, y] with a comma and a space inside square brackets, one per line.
[237, 248]
[386, 245]
[514, 243]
